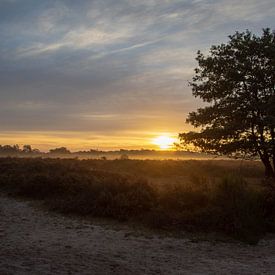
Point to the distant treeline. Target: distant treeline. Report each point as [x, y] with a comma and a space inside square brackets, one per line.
[16, 150]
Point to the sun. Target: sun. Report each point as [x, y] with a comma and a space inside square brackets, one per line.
[164, 142]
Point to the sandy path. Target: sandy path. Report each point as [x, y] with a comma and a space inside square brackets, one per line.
[35, 242]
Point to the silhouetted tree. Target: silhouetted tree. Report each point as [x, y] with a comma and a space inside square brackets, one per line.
[27, 149]
[61, 150]
[237, 80]
[9, 149]
[36, 151]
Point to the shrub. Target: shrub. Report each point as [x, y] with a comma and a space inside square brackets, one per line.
[239, 209]
[229, 205]
[72, 189]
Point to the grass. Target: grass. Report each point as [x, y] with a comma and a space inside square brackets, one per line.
[206, 200]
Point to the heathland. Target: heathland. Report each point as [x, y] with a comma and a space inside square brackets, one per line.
[227, 197]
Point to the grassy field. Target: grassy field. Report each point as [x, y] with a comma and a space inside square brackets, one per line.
[229, 197]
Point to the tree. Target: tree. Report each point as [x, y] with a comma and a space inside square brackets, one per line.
[9, 150]
[27, 148]
[60, 150]
[237, 83]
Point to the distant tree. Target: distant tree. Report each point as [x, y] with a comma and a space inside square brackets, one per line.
[9, 149]
[36, 151]
[237, 80]
[60, 150]
[27, 149]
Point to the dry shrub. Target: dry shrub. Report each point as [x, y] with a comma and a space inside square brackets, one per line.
[227, 204]
[240, 209]
[72, 189]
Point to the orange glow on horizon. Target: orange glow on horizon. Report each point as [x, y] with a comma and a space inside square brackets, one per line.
[77, 141]
[164, 142]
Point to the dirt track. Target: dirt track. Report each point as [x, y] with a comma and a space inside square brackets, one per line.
[36, 242]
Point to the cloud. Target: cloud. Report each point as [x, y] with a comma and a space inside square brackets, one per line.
[81, 38]
[110, 65]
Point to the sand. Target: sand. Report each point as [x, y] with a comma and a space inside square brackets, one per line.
[33, 241]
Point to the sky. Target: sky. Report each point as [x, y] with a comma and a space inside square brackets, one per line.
[108, 74]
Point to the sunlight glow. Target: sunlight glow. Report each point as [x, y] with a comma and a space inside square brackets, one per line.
[164, 142]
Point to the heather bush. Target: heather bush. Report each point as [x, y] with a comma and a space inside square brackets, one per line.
[240, 209]
[226, 204]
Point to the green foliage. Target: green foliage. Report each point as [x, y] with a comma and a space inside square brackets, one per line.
[237, 80]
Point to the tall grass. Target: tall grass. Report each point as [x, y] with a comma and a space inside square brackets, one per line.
[226, 204]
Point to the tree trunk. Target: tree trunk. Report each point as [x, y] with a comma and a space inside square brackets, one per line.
[269, 171]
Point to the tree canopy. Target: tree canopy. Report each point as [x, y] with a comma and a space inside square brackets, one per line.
[237, 83]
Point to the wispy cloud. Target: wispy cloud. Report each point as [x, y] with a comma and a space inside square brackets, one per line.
[114, 64]
[81, 38]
